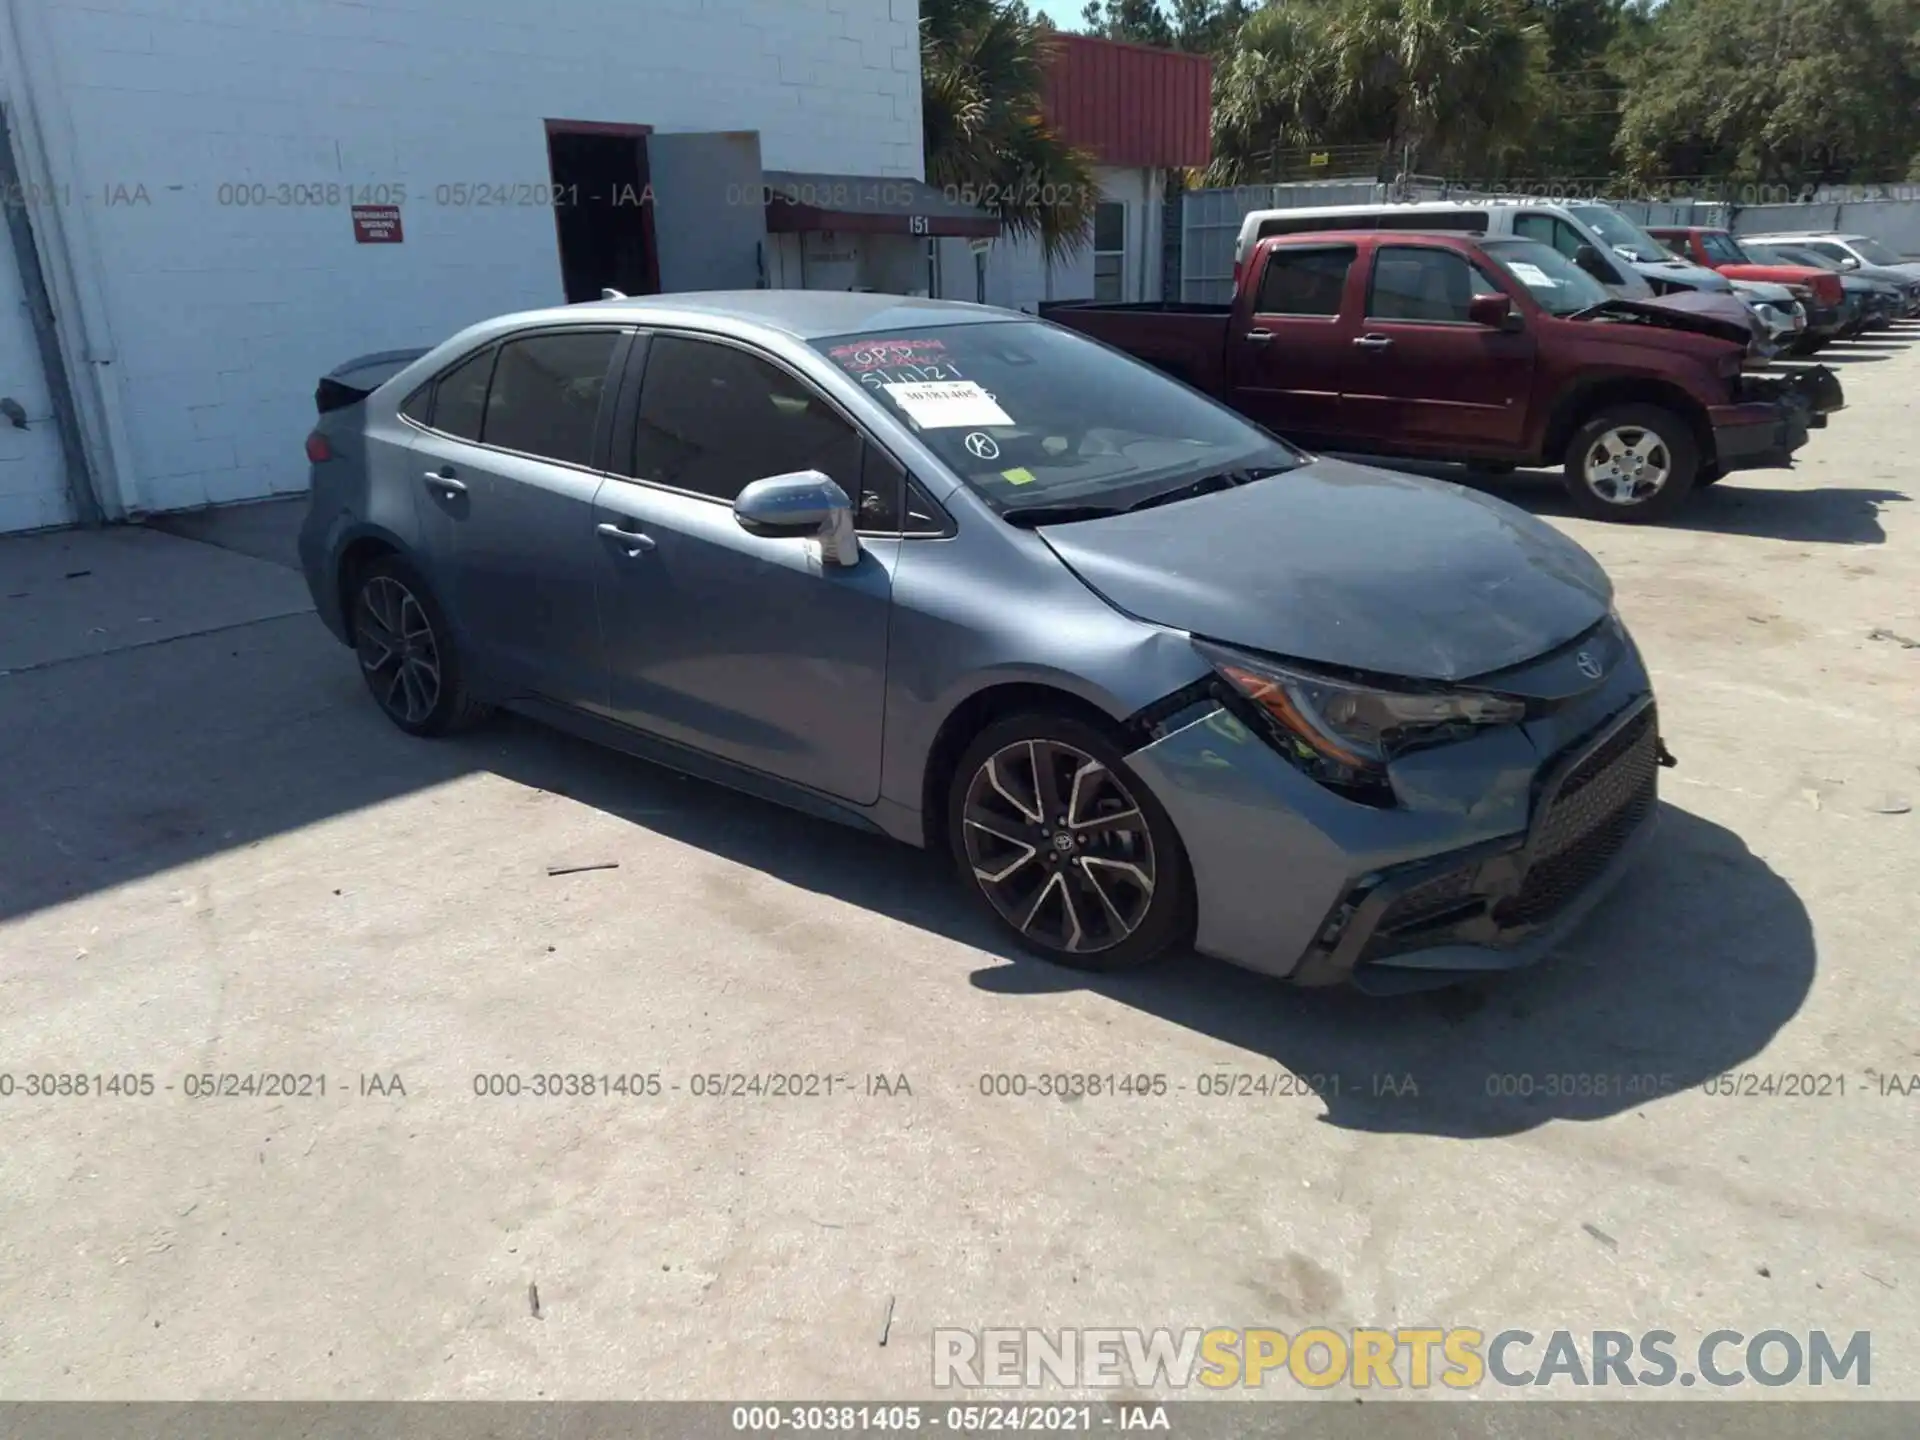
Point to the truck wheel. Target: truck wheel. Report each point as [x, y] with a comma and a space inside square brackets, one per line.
[1631, 463]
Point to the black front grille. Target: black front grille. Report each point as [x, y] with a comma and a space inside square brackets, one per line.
[1592, 816]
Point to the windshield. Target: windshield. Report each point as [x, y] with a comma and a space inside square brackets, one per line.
[1873, 252]
[1555, 282]
[1621, 233]
[1030, 414]
[1722, 248]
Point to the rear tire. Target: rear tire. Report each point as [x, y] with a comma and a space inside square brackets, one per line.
[406, 651]
[1631, 464]
[1066, 847]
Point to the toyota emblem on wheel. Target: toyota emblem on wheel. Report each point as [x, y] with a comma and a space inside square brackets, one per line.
[1589, 667]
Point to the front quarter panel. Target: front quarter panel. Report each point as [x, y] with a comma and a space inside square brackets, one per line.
[992, 606]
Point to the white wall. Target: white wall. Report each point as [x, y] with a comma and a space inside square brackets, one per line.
[222, 317]
[33, 491]
[1018, 278]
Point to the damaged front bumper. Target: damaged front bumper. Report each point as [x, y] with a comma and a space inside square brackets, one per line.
[1773, 417]
[1489, 857]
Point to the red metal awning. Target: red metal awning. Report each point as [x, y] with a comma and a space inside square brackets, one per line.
[1131, 105]
[868, 205]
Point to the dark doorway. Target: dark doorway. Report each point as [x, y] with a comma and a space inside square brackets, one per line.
[603, 209]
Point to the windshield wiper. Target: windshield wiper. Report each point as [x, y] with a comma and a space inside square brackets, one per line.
[1029, 516]
[1209, 484]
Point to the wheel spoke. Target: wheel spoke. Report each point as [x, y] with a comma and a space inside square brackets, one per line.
[1047, 793]
[1099, 827]
[1091, 771]
[999, 784]
[1088, 874]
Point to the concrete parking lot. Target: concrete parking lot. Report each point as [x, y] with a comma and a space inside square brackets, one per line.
[220, 859]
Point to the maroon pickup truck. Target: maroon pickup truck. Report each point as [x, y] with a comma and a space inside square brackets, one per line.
[1498, 352]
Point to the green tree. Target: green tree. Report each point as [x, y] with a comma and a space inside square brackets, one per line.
[1198, 26]
[982, 77]
[1442, 84]
[1773, 91]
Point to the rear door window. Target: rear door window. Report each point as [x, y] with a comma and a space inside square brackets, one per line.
[1304, 282]
[1721, 247]
[460, 399]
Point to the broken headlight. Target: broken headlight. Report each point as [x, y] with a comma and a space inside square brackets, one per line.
[1343, 732]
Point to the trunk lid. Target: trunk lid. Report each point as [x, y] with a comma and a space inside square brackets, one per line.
[1345, 565]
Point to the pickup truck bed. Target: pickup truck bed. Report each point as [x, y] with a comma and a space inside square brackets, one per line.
[1187, 341]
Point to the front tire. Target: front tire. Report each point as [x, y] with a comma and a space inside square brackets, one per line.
[406, 651]
[1632, 464]
[1066, 847]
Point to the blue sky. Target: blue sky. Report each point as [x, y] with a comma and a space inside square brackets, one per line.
[1064, 13]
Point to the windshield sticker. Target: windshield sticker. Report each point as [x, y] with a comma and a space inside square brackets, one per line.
[947, 405]
[1531, 274]
[980, 445]
[879, 363]
[1019, 475]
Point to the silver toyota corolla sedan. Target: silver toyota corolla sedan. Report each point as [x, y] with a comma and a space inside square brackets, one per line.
[1151, 675]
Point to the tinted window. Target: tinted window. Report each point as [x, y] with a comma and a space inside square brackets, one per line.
[877, 505]
[1422, 284]
[1720, 247]
[1472, 222]
[419, 406]
[1028, 413]
[545, 398]
[1303, 224]
[713, 419]
[1832, 252]
[923, 516]
[460, 399]
[1304, 282]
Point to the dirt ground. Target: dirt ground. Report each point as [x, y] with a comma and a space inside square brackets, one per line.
[220, 859]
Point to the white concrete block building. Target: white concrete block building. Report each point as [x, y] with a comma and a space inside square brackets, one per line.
[228, 198]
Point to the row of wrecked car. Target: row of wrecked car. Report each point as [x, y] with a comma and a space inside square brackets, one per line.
[1520, 334]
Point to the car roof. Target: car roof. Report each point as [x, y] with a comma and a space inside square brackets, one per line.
[802, 314]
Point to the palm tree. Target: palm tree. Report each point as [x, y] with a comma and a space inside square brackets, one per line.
[982, 74]
[1447, 80]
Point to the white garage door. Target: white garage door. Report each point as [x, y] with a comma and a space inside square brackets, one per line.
[33, 490]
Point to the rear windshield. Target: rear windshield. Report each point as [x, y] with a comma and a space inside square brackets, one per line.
[1555, 282]
[1029, 413]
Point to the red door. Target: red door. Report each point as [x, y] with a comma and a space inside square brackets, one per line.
[1291, 357]
[1427, 379]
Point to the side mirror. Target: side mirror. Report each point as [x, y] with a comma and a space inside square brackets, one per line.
[1496, 312]
[1847, 262]
[803, 505]
[1595, 264]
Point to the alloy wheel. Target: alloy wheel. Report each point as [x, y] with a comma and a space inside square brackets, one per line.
[397, 649]
[1059, 846]
[1627, 465]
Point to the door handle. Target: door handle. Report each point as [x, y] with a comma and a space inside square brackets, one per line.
[446, 484]
[1260, 337]
[1374, 342]
[635, 541]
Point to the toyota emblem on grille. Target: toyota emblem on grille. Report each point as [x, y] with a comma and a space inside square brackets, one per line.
[1589, 667]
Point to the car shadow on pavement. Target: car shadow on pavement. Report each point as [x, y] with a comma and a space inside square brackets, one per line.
[1687, 972]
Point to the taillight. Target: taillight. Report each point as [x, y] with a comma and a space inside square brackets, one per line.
[318, 450]
[1830, 288]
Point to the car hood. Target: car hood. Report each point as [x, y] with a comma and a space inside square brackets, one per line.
[1763, 290]
[1682, 272]
[1721, 314]
[1347, 565]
